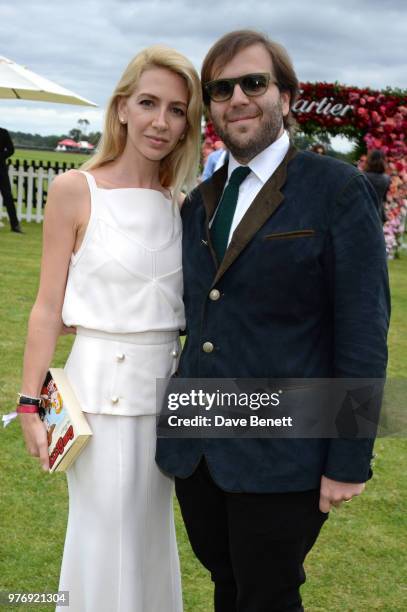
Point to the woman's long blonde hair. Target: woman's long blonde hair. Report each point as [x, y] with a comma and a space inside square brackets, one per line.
[179, 169]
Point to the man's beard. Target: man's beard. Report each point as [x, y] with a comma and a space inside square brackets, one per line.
[266, 134]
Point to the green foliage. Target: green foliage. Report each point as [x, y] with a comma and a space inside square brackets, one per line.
[305, 142]
[94, 137]
[358, 564]
[397, 92]
[75, 134]
[53, 156]
[23, 139]
[35, 140]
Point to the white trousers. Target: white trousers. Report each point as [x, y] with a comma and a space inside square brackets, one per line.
[120, 551]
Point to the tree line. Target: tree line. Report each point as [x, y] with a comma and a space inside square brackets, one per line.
[24, 139]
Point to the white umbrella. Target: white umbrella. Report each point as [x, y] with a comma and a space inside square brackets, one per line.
[16, 82]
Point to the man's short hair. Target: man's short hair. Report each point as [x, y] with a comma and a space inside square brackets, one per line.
[225, 49]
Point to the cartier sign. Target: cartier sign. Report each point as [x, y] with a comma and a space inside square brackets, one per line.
[325, 106]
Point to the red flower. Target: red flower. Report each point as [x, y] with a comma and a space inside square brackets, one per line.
[362, 112]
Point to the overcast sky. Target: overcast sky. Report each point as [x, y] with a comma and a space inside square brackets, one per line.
[84, 45]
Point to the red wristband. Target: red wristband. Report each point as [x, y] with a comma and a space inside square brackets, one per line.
[26, 409]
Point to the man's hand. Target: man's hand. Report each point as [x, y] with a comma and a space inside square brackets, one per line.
[333, 492]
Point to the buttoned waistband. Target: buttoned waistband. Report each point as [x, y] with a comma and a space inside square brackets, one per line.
[146, 337]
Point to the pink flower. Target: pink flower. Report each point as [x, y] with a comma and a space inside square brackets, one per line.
[375, 117]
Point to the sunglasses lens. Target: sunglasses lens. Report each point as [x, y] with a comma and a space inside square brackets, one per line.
[220, 91]
[254, 84]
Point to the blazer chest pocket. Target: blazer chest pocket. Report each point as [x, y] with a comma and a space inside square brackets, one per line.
[305, 233]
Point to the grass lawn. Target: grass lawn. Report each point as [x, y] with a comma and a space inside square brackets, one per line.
[358, 564]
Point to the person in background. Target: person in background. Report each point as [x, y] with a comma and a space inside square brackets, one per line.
[6, 151]
[319, 149]
[215, 160]
[360, 164]
[375, 170]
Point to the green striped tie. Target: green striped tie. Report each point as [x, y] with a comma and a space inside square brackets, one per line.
[224, 216]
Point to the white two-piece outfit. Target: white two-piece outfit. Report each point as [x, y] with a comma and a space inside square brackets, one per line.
[124, 295]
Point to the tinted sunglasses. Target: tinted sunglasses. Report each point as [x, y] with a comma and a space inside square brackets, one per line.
[221, 90]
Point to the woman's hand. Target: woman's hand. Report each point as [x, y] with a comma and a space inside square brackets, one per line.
[35, 436]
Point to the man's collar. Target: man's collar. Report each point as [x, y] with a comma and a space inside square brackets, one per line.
[262, 163]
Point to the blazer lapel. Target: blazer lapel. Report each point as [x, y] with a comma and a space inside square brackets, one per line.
[263, 206]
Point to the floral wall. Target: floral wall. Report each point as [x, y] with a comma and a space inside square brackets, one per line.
[374, 120]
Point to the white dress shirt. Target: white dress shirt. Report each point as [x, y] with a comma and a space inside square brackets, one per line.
[262, 167]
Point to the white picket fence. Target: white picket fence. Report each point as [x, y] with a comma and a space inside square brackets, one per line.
[31, 185]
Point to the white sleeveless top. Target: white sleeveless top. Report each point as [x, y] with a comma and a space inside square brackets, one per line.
[127, 275]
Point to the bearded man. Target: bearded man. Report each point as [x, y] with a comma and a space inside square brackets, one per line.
[285, 277]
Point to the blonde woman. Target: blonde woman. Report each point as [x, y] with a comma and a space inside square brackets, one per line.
[111, 267]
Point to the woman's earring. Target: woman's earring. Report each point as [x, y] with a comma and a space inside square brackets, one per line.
[123, 121]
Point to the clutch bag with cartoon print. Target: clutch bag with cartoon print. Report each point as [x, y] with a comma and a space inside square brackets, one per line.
[67, 428]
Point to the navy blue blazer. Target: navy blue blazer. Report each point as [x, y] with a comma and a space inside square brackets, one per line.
[304, 294]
